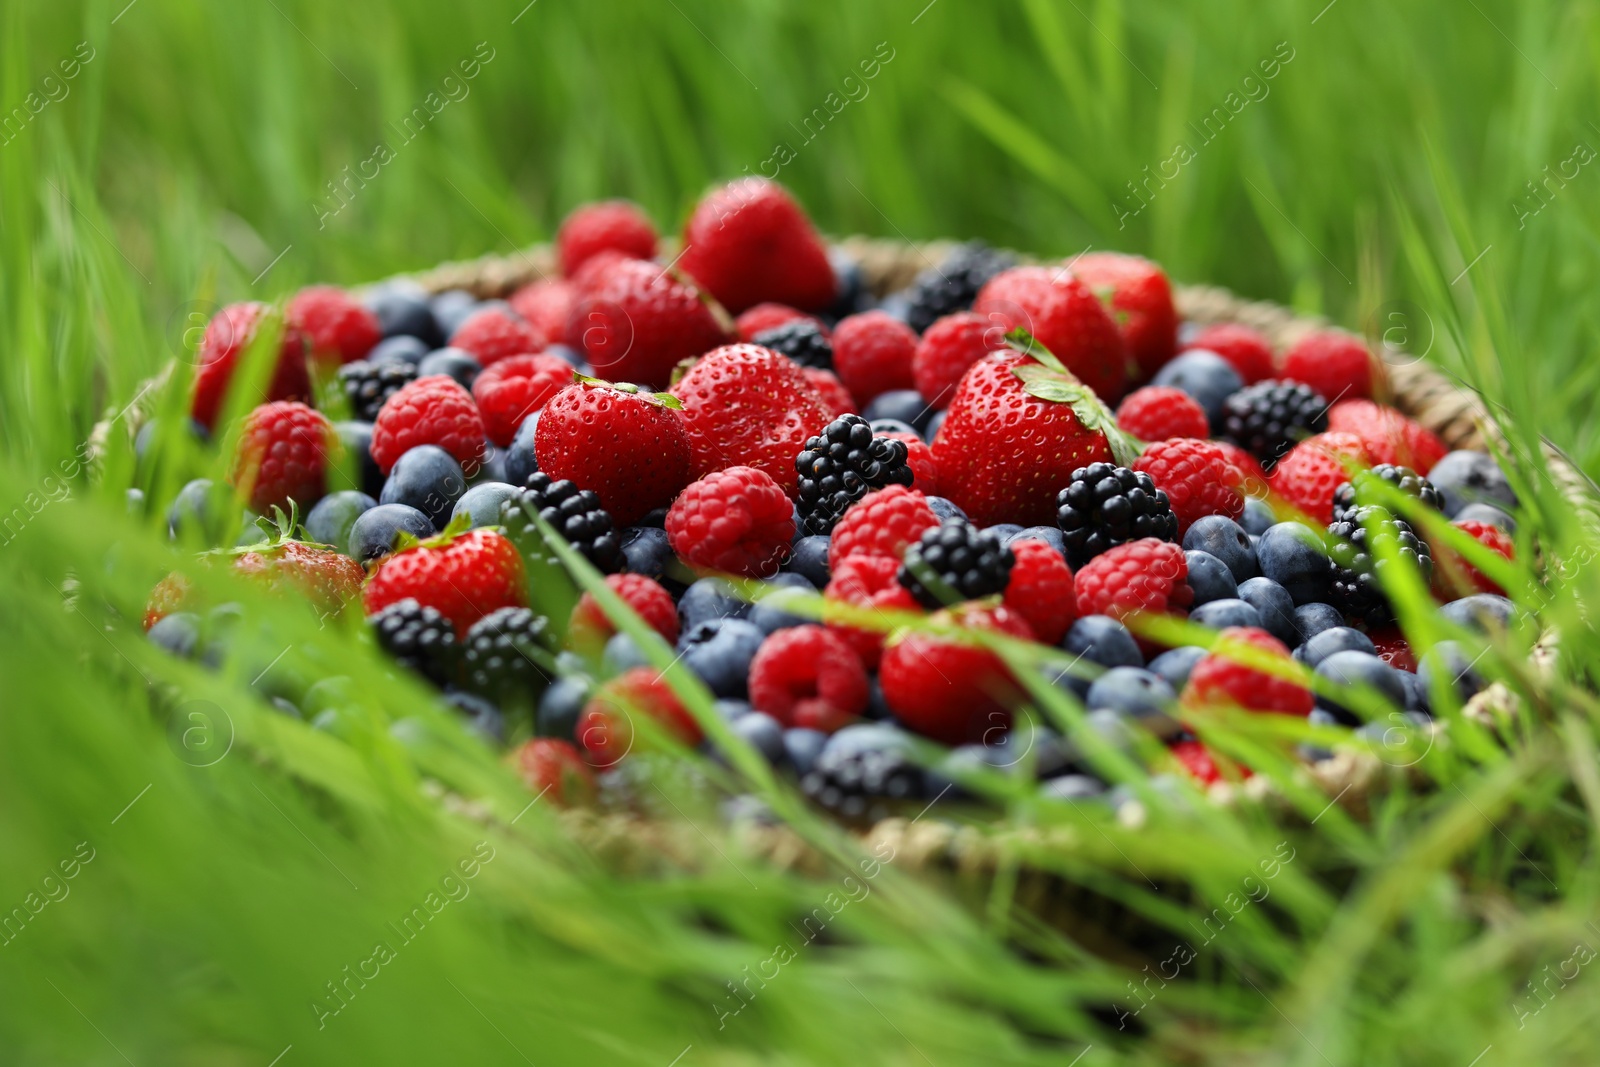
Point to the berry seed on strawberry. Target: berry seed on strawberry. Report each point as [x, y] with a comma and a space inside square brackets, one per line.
[629, 447]
[590, 627]
[636, 321]
[736, 520]
[1387, 435]
[463, 578]
[434, 410]
[1312, 471]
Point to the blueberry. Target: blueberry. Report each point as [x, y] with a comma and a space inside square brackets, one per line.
[1221, 614]
[492, 468]
[1311, 619]
[451, 309]
[935, 421]
[482, 502]
[768, 614]
[1175, 664]
[1466, 477]
[1225, 539]
[1141, 695]
[453, 362]
[645, 551]
[1210, 578]
[330, 521]
[520, 460]
[906, 405]
[375, 529]
[402, 348]
[355, 468]
[1072, 788]
[134, 498]
[802, 747]
[1275, 606]
[1291, 554]
[1359, 669]
[1110, 726]
[1482, 612]
[1204, 375]
[809, 559]
[559, 707]
[621, 655]
[1416, 695]
[480, 715]
[1050, 535]
[710, 598]
[426, 478]
[1100, 640]
[1480, 512]
[877, 705]
[730, 710]
[945, 509]
[892, 426]
[719, 651]
[851, 294]
[403, 310]
[1003, 530]
[763, 733]
[178, 634]
[196, 512]
[1447, 665]
[1257, 517]
[1336, 639]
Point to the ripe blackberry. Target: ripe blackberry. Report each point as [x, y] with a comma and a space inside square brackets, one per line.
[367, 385]
[801, 340]
[1404, 479]
[862, 771]
[575, 513]
[843, 464]
[1269, 418]
[956, 557]
[954, 284]
[417, 637]
[506, 656]
[1105, 506]
[1356, 570]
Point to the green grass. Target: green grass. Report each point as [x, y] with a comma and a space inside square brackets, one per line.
[1377, 175]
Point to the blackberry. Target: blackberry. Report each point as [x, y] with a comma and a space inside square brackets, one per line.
[954, 284]
[802, 341]
[1404, 479]
[1269, 418]
[506, 656]
[1356, 570]
[368, 385]
[417, 637]
[862, 771]
[575, 513]
[843, 464]
[1105, 506]
[956, 557]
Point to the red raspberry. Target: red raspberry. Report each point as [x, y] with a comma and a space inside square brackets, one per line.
[464, 577]
[429, 411]
[606, 727]
[551, 767]
[1140, 298]
[1255, 479]
[950, 689]
[1454, 577]
[229, 333]
[514, 388]
[1307, 476]
[808, 676]
[590, 628]
[924, 468]
[863, 581]
[882, 523]
[338, 327]
[749, 242]
[1147, 575]
[547, 305]
[637, 321]
[610, 225]
[835, 397]
[1392, 646]
[1388, 436]
[1158, 412]
[738, 520]
[1041, 590]
[1064, 316]
[947, 349]
[1221, 678]
[283, 455]
[1197, 478]
[1247, 350]
[764, 317]
[587, 276]
[1201, 764]
[492, 334]
[1334, 364]
[628, 447]
[872, 354]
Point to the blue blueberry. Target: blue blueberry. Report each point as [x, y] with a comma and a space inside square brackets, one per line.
[763, 733]
[1099, 640]
[134, 498]
[809, 559]
[880, 426]
[1466, 477]
[719, 651]
[1003, 530]
[1257, 517]
[1480, 512]
[1482, 612]
[1204, 375]
[1141, 695]
[373, 533]
[710, 598]
[945, 509]
[480, 716]
[802, 747]
[481, 503]
[1416, 694]
[645, 551]
[452, 362]
[492, 468]
[906, 405]
[354, 467]
[560, 705]
[622, 654]
[1221, 614]
[426, 478]
[877, 705]
[730, 710]
[768, 614]
[1050, 535]
[196, 512]
[1354, 668]
[330, 521]
[1448, 665]
[1072, 788]
[1291, 554]
[1336, 639]
[401, 348]
[1112, 727]
[520, 460]
[1175, 664]
[1311, 619]
[1275, 606]
[404, 311]
[451, 308]
[177, 633]
[1210, 578]
[1225, 539]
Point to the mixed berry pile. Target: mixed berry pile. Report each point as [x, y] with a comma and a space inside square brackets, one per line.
[742, 433]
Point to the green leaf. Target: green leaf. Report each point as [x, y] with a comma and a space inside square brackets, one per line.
[1024, 342]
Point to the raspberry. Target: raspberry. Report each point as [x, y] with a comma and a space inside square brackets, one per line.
[954, 284]
[339, 328]
[648, 598]
[434, 410]
[1148, 575]
[1219, 678]
[609, 225]
[808, 676]
[1357, 567]
[1334, 364]
[1255, 479]
[464, 578]
[1244, 348]
[492, 334]
[802, 340]
[1454, 577]
[368, 386]
[842, 464]
[606, 726]
[836, 399]
[924, 468]
[872, 354]
[1041, 590]
[867, 581]
[1387, 435]
[228, 334]
[514, 388]
[551, 767]
[955, 561]
[283, 456]
[1394, 649]
[547, 305]
[764, 317]
[1313, 470]
[882, 523]
[737, 520]
[1197, 478]
[952, 689]
[1158, 412]
[1271, 417]
[947, 349]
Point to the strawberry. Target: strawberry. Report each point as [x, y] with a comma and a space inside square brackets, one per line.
[337, 326]
[609, 225]
[1140, 298]
[631, 448]
[550, 766]
[316, 573]
[1064, 315]
[228, 334]
[635, 321]
[950, 688]
[547, 306]
[749, 242]
[463, 577]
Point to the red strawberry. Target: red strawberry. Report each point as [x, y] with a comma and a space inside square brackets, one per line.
[1453, 576]
[835, 397]
[872, 354]
[1248, 351]
[170, 594]
[228, 334]
[636, 321]
[1387, 435]
[1225, 676]
[610, 225]
[492, 334]
[339, 328]
[749, 242]
[553, 768]
[590, 627]
[547, 306]
[1005, 449]
[327, 579]
[606, 727]
[1392, 646]
[429, 411]
[1063, 314]
[747, 405]
[283, 455]
[1201, 764]
[1334, 364]
[764, 317]
[1140, 298]
[629, 447]
[950, 688]
[463, 577]
[514, 388]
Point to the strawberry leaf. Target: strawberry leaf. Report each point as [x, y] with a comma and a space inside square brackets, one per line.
[666, 400]
[1023, 341]
[1060, 387]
